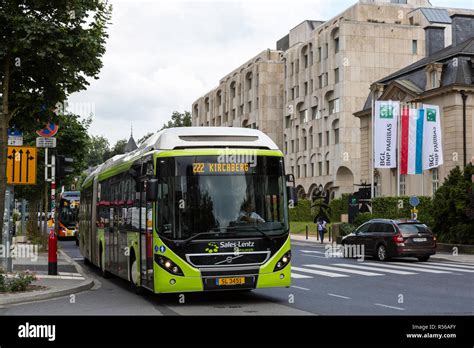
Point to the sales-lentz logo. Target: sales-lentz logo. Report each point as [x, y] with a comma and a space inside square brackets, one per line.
[37, 331]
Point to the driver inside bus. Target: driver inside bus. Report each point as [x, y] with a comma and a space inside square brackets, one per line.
[248, 214]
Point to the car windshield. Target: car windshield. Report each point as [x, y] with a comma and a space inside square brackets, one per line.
[413, 228]
[230, 199]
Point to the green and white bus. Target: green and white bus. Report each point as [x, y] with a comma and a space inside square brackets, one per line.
[192, 209]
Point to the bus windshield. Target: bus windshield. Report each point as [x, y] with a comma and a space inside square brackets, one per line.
[68, 212]
[199, 194]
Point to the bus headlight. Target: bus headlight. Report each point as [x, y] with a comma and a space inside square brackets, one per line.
[168, 265]
[284, 260]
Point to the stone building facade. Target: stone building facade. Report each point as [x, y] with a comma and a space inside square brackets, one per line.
[250, 96]
[444, 78]
[304, 93]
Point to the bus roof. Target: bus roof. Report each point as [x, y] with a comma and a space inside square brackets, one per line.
[183, 138]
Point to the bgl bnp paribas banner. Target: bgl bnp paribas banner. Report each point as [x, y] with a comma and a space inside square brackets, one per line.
[385, 133]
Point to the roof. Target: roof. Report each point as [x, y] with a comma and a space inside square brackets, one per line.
[131, 145]
[466, 47]
[436, 15]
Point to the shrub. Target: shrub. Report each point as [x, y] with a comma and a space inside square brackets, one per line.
[339, 206]
[361, 218]
[302, 211]
[19, 282]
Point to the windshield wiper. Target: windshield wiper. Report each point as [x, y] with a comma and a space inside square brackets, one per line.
[184, 242]
[246, 226]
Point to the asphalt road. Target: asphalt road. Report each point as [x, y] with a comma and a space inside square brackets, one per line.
[320, 285]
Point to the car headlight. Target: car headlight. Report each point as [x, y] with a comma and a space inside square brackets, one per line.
[168, 265]
[283, 262]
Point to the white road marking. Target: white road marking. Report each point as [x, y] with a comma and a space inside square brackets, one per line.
[59, 277]
[393, 307]
[298, 276]
[320, 257]
[423, 270]
[451, 265]
[374, 269]
[323, 273]
[340, 296]
[424, 265]
[299, 287]
[329, 268]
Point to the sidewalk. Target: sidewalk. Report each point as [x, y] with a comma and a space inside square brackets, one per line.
[443, 256]
[71, 279]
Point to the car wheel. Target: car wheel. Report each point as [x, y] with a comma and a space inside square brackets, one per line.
[423, 258]
[382, 254]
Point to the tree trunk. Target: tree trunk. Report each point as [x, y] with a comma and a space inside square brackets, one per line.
[4, 120]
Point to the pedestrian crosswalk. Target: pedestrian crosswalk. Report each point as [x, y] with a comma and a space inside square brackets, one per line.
[374, 269]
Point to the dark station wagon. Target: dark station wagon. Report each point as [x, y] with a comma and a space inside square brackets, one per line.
[384, 238]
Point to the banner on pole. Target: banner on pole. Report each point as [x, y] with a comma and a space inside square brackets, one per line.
[385, 132]
[411, 143]
[432, 138]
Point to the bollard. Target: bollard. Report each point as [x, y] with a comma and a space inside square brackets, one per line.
[52, 253]
[306, 232]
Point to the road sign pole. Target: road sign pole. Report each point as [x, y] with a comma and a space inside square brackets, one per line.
[53, 240]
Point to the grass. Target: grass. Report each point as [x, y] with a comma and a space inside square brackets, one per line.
[299, 227]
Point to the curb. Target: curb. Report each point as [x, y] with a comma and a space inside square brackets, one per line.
[47, 295]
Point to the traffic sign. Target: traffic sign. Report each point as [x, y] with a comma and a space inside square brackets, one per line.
[49, 131]
[46, 142]
[15, 137]
[21, 165]
[414, 201]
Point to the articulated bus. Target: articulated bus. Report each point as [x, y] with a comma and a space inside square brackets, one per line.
[192, 209]
[68, 212]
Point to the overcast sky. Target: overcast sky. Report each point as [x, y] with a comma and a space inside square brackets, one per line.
[164, 54]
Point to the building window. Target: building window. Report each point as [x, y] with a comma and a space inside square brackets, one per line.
[327, 167]
[319, 54]
[326, 79]
[293, 170]
[305, 61]
[336, 75]
[298, 175]
[306, 88]
[311, 57]
[315, 113]
[286, 147]
[414, 46]
[320, 78]
[297, 65]
[312, 169]
[233, 114]
[327, 138]
[311, 138]
[334, 106]
[292, 146]
[232, 90]
[287, 121]
[292, 68]
[320, 139]
[250, 106]
[305, 143]
[303, 116]
[320, 168]
[434, 77]
[326, 51]
[311, 86]
[403, 185]
[336, 45]
[305, 171]
[336, 136]
[435, 179]
[292, 93]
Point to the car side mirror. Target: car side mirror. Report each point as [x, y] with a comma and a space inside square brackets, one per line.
[152, 190]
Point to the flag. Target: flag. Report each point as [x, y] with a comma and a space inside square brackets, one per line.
[411, 142]
[385, 134]
[432, 139]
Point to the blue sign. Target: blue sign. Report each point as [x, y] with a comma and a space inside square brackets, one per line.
[414, 201]
[156, 248]
[162, 249]
[12, 132]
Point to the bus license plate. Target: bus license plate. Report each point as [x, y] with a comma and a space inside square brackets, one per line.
[231, 281]
[419, 239]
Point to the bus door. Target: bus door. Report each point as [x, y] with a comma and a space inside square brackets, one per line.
[146, 239]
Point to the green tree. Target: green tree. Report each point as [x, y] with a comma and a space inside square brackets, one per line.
[97, 148]
[47, 50]
[452, 207]
[179, 119]
[117, 149]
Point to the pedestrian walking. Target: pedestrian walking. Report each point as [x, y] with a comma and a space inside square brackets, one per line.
[321, 225]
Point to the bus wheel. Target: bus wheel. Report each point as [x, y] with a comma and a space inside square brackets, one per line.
[105, 274]
[86, 261]
[134, 275]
